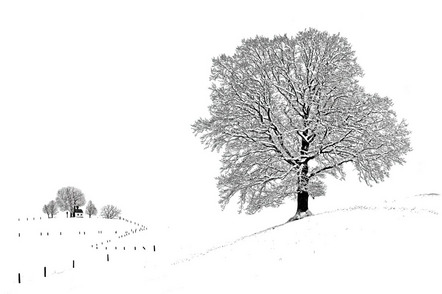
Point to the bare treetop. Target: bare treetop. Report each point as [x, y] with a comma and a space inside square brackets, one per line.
[286, 111]
[68, 198]
[110, 212]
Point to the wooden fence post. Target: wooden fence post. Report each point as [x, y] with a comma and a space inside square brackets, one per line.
[108, 257]
[153, 248]
[73, 263]
[44, 272]
[19, 278]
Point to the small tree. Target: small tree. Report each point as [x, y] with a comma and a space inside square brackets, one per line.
[110, 212]
[91, 209]
[52, 208]
[46, 210]
[68, 198]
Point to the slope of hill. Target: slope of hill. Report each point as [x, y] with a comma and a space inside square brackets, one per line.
[62, 245]
[386, 247]
[392, 248]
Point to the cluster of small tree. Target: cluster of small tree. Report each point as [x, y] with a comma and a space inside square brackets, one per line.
[50, 209]
[68, 198]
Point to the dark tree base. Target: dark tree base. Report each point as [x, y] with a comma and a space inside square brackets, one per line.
[302, 201]
[300, 215]
[302, 210]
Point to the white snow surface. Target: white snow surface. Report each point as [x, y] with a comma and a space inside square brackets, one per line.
[391, 245]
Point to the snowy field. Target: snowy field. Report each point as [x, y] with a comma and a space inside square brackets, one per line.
[391, 245]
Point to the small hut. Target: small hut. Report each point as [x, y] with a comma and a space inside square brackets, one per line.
[78, 212]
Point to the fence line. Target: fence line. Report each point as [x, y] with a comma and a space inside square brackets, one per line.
[45, 272]
[124, 247]
[139, 228]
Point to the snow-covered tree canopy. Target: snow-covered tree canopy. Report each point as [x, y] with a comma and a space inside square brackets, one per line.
[68, 198]
[286, 111]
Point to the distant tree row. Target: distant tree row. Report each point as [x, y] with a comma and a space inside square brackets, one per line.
[69, 198]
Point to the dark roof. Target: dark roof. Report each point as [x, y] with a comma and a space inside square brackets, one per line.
[78, 210]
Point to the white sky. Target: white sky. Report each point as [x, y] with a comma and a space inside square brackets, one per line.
[100, 95]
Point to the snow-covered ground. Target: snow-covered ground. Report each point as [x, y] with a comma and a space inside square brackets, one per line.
[385, 245]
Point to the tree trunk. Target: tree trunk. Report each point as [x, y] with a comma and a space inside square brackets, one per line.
[302, 202]
[302, 210]
[302, 195]
[303, 178]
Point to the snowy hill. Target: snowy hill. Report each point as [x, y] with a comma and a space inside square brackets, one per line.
[390, 248]
[387, 247]
[64, 245]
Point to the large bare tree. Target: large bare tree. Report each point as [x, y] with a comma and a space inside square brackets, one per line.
[289, 110]
[110, 211]
[68, 198]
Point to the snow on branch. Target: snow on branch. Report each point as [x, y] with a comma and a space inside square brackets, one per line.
[288, 110]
